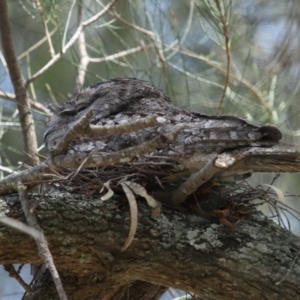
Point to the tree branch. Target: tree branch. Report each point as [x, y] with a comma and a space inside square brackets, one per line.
[181, 250]
[25, 115]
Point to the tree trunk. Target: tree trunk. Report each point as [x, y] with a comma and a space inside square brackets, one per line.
[179, 250]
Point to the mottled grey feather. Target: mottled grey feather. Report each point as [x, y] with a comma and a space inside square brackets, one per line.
[123, 100]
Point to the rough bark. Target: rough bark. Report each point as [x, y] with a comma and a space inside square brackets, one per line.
[181, 250]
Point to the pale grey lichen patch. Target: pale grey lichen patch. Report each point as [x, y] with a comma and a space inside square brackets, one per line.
[223, 262]
[3, 208]
[84, 259]
[164, 224]
[263, 248]
[245, 254]
[250, 230]
[250, 245]
[205, 240]
[154, 233]
[192, 234]
[201, 247]
[68, 250]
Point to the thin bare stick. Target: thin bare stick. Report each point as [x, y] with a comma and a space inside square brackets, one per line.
[224, 23]
[41, 242]
[48, 36]
[84, 57]
[34, 104]
[31, 177]
[71, 42]
[6, 169]
[217, 164]
[34, 176]
[108, 159]
[150, 34]
[20, 226]
[120, 54]
[25, 115]
[257, 159]
[13, 273]
[83, 126]
[36, 45]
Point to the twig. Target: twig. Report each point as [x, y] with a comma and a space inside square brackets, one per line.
[83, 126]
[120, 54]
[13, 273]
[30, 177]
[217, 164]
[48, 36]
[224, 23]
[5, 169]
[72, 40]
[33, 176]
[77, 128]
[41, 242]
[256, 160]
[84, 57]
[150, 34]
[122, 156]
[34, 104]
[25, 115]
[123, 128]
[20, 226]
[36, 45]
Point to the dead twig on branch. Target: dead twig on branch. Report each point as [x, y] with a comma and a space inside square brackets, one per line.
[36, 175]
[221, 162]
[83, 126]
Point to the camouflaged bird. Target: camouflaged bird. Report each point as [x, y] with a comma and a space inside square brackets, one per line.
[125, 100]
[203, 147]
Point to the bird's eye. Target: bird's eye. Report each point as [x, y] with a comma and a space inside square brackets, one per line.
[80, 107]
[67, 112]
